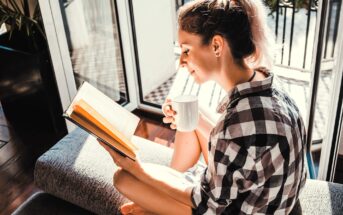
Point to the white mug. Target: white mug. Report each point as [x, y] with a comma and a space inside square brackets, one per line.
[187, 112]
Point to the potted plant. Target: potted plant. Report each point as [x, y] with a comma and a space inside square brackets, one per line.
[28, 89]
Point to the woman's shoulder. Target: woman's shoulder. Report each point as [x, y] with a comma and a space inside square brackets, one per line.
[256, 115]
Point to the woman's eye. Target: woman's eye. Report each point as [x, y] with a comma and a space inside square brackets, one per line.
[186, 51]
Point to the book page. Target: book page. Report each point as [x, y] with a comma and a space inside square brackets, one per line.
[98, 133]
[91, 116]
[123, 120]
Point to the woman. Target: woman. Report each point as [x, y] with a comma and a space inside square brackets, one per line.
[255, 152]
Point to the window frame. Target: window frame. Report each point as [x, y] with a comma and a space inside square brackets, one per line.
[60, 57]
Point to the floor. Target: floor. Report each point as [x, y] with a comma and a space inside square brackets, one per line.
[16, 179]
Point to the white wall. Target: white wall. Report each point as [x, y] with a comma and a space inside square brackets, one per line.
[155, 37]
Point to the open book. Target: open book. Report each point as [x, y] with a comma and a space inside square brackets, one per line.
[99, 115]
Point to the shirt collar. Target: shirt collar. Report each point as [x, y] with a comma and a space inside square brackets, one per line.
[246, 89]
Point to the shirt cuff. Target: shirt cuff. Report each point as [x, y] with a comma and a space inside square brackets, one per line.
[196, 196]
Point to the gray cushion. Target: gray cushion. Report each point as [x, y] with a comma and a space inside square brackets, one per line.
[43, 203]
[78, 170]
[321, 197]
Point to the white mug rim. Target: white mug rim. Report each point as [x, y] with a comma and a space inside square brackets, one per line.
[192, 98]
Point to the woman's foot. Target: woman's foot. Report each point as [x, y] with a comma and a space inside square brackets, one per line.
[134, 209]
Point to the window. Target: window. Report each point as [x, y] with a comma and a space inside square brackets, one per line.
[94, 42]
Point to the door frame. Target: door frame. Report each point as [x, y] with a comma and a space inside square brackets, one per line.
[60, 57]
[331, 143]
[142, 104]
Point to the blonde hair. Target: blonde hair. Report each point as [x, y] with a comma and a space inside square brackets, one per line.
[242, 22]
[261, 33]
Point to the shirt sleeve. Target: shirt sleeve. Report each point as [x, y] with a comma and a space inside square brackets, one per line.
[217, 188]
[232, 170]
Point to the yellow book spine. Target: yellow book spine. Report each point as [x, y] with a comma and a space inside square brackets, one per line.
[84, 109]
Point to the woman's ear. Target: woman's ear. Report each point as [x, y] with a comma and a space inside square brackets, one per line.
[217, 45]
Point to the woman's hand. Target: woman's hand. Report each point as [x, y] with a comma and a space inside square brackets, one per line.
[169, 113]
[125, 163]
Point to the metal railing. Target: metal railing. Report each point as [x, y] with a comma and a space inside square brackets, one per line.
[283, 7]
[285, 26]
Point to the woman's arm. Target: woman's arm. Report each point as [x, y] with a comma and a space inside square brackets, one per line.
[205, 126]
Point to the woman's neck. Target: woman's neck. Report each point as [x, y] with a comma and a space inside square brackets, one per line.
[231, 74]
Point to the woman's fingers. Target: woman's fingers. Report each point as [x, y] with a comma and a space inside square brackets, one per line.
[168, 111]
[133, 167]
[172, 126]
[104, 145]
[168, 119]
[167, 108]
[115, 156]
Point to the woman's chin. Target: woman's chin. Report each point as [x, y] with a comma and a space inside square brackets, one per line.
[198, 80]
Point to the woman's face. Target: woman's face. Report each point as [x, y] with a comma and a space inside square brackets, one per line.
[198, 58]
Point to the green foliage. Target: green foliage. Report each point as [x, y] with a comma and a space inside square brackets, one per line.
[17, 15]
[272, 4]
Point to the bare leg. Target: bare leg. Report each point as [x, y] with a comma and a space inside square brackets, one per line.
[149, 198]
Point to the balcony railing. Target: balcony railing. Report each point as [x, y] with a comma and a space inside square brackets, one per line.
[293, 22]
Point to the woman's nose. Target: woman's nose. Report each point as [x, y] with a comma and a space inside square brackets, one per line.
[182, 61]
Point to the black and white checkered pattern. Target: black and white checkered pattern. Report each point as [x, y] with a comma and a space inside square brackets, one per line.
[159, 95]
[256, 154]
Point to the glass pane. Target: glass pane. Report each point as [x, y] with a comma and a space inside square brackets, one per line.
[155, 49]
[326, 81]
[92, 33]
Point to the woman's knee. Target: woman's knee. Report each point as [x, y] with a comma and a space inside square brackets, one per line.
[120, 179]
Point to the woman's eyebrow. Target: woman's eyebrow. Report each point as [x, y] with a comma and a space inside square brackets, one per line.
[184, 44]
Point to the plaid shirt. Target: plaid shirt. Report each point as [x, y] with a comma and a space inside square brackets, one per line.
[256, 154]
